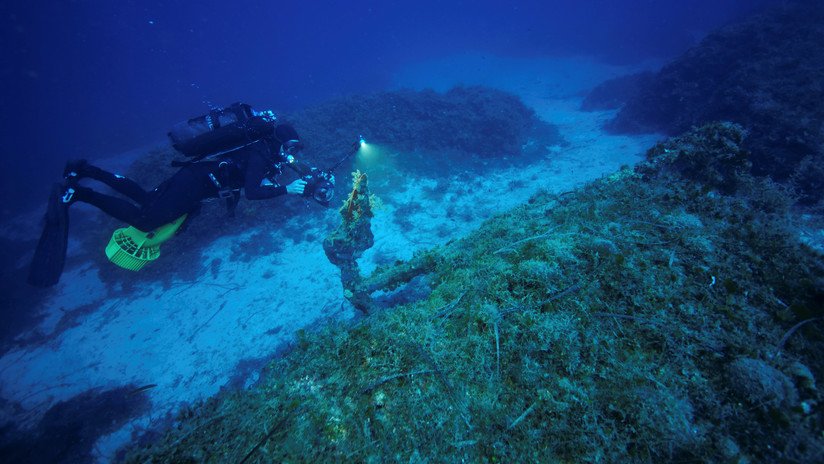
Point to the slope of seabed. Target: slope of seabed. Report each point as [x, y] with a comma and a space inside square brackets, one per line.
[666, 312]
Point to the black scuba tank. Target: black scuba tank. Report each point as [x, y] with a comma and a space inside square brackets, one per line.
[221, 130]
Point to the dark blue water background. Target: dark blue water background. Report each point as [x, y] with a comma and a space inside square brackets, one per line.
[92, 78]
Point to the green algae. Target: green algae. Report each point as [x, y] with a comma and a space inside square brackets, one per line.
[593, 326]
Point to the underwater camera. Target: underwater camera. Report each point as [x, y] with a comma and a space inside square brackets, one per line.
[320, 186]
[320, 183]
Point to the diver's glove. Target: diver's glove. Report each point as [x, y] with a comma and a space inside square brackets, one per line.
[297, 187]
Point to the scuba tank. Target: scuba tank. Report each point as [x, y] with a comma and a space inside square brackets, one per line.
[221, 130]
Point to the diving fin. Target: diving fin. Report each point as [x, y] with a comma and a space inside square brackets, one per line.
[50, 255]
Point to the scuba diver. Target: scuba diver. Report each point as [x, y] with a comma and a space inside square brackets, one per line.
[231, 150]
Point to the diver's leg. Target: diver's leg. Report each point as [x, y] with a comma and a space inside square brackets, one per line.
[115, 207]
[181, 194]
[123, 185]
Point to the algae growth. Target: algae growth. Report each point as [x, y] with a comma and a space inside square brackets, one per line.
[650, 315]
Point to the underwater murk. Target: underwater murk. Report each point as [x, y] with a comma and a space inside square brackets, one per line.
[631, 270]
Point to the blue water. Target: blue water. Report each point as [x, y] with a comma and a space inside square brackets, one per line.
[93, 78]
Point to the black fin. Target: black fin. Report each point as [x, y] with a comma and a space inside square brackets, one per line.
[50, 255]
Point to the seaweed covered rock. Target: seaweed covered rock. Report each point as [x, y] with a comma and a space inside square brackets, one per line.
[760, 384]
[477, 121]
[764, 74]
[712, 155]
[600, 325]
[614, 93]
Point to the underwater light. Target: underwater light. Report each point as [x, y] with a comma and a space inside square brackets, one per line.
[365, 150]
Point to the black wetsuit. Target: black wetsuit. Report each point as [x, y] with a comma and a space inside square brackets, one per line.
[251, 168]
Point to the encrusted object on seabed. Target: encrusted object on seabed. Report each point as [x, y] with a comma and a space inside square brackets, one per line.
[354, 236]
[351, 238]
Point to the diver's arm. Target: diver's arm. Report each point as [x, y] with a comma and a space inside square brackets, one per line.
[260, 186]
